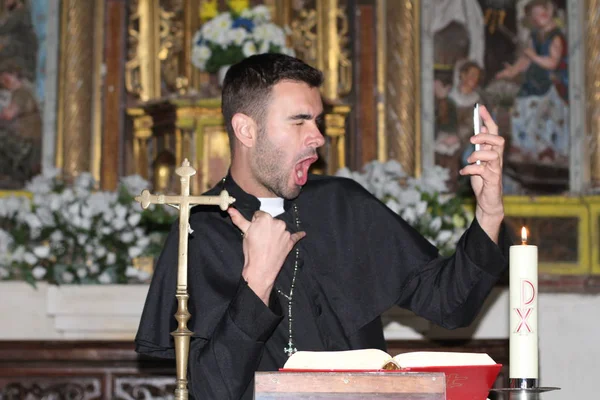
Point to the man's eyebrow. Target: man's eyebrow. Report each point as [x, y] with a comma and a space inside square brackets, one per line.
[300, 117]
[306, 117]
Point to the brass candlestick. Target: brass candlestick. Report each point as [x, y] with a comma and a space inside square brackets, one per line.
[183, 202]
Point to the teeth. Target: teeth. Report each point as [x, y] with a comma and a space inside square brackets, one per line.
[299, 174]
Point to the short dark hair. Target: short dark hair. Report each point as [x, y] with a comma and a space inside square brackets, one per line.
[247, 85]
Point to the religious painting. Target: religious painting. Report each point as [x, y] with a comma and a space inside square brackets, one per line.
[511, 56]
[23, 52]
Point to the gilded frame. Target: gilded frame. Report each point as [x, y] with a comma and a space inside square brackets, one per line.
[557, 207]
[594, 210]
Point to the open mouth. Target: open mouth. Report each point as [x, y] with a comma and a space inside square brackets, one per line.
[301, 170]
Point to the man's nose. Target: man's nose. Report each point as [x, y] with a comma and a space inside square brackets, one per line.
[315, 138]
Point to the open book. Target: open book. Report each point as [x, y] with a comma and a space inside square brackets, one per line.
[374, 359]
[469, 376]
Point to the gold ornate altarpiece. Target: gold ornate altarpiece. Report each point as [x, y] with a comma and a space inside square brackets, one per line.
[178, 109]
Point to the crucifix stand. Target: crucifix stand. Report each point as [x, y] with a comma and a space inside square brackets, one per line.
[183, 202]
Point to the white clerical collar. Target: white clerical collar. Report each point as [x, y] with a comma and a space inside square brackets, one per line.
[271, 205]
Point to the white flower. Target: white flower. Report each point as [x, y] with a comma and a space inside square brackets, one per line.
[18, 255]
[6, 240]
[421, 208]
[84, 181]
[249, 48]
[237, 36]
[120, 211]
[94, 268]
[81, 239]
[409, 215]
[67, 195]
[32, 220]
[29, 258]
[131, 272]
[134, 251]
[56, 236]
[38, 272]
[100, 251]
[261, 13]
[3, 273]
[111, 258]
[200, 55]
[82, 272]
[260, 33]
[67, 277]
[127, 237]
[264, 47]
[393, 205]
[409, 196]
[13, 205]
[134, 184]
[444, 236]
[104, 278]
[41, 251]
[119, 223]
[73, 210]
[436, 224]
[85, 223]
[143, 242]
[289, 52]
[134, 219]
[40, 184]
[99, 203]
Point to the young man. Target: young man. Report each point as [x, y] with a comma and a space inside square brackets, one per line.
[307, 262]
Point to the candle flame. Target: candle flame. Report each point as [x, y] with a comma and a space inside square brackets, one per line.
[523, 235]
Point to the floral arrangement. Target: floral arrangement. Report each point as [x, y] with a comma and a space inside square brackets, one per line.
[73, 234]
[231, 36]
[424, 203]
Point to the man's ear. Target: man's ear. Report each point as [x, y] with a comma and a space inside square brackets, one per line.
[245, 129]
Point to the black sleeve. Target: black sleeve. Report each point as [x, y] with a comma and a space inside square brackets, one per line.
[390, 263]
[223, 366]
[230, 323]
[450, 291]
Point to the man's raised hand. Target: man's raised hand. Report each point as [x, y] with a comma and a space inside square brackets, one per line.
[486, 178]
[266, 245]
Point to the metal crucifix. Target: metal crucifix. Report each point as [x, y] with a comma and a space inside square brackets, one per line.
[183, 202]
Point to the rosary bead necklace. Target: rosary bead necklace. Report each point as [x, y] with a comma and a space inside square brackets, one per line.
[291, 349]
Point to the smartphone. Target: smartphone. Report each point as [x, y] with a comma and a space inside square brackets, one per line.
[476, 125]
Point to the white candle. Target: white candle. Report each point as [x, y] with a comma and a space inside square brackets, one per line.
[523, 310]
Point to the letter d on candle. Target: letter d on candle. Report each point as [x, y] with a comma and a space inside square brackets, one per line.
[523, 287]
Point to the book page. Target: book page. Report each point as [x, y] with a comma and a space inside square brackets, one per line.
[441, 359]
[339, 360]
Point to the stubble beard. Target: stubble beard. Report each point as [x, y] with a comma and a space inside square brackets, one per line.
[268, 167]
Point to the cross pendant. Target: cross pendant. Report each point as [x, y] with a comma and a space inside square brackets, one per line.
[290, 349]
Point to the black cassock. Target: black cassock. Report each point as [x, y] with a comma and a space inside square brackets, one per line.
[357, 260]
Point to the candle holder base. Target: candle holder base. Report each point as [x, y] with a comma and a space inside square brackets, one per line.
[532, 393]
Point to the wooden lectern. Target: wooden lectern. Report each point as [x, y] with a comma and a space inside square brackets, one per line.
[349, 385]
